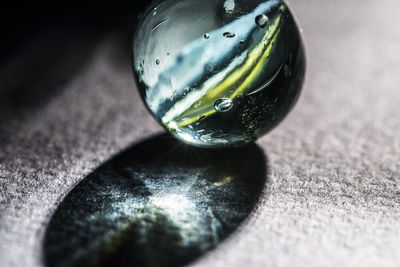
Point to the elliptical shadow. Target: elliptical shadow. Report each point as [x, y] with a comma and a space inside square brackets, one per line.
[159, 203]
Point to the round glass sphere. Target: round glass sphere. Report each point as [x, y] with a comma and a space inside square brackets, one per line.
[218, 72]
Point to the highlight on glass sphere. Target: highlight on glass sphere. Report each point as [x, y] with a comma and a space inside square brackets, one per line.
[218, 73]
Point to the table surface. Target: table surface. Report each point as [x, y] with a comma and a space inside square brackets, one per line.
[331, 194]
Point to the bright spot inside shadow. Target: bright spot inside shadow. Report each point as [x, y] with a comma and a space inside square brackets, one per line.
[174, 204]
[185, 216]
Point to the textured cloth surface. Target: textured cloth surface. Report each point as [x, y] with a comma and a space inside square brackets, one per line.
[332, 193]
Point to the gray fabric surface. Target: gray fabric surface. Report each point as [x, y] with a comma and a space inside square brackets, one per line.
[331, 197]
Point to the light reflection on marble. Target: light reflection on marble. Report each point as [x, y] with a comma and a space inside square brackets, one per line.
[159, 203]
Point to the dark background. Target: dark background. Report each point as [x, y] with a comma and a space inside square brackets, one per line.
[59, 32]
[21, 20]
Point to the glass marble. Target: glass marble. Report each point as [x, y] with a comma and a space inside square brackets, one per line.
[218, 73]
